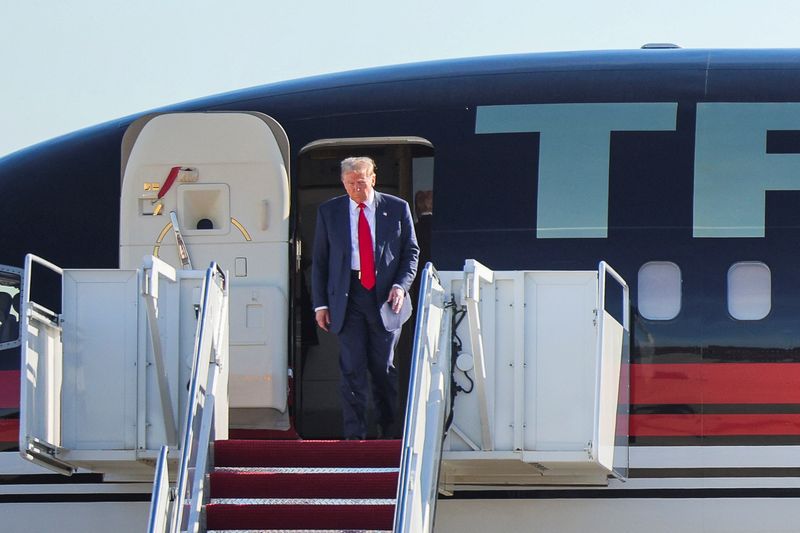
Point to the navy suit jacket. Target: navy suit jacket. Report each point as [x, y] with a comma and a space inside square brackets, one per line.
[396, 253]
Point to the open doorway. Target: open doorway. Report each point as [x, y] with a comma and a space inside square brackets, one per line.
[404, 166]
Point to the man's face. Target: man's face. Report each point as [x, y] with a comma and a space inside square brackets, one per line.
[359, 183]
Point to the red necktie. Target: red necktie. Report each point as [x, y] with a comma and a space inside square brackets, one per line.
[365, 250]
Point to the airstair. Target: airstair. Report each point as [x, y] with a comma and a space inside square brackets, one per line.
[105, 382]
[541, 378]
[518, 379]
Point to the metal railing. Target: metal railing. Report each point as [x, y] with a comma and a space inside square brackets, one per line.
[40, 439]
[210, 357]
[429, 395]
[154, 269]
[163, 495]
[474, 274]
[603, 359]
[602, 269]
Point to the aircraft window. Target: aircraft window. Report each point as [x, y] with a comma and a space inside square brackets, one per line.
[659, 290]
[749, 290]
[9, 309]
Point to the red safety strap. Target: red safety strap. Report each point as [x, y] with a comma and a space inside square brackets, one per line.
[173, 173]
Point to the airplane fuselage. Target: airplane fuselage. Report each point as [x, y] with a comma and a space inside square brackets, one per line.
[680, 168]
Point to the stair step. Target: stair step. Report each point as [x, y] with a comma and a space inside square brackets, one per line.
[313, 485]
[303, 485]
[303, 501]
[296, 530]
[326, 517]
[318, 453]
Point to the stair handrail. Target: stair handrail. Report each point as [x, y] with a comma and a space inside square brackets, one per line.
[153, 269]
[429, 394]
[202, 401]
[210, 357]
[603, 270]
[163, 496]
[474, 274]
[41, 449]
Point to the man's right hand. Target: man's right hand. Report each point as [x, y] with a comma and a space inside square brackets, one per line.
[323, 319]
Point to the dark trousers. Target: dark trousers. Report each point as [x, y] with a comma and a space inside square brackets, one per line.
[366, 345]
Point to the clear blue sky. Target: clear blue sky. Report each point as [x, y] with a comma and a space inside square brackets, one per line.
[67, 65]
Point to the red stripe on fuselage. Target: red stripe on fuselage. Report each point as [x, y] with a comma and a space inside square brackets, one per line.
[9, 389]
[651, 384]
[715, 383]
[9, 430]
[714, 425]
[696, 384]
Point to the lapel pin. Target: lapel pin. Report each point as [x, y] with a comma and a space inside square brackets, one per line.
[384, 213]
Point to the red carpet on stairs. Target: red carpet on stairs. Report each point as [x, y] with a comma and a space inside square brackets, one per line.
[301, 517]
[382, 485]
[229, 483]
[308, 453]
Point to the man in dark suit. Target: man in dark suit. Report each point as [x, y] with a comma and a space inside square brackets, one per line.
[365, 254]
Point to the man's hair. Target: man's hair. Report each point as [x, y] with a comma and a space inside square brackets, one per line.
[352, 163]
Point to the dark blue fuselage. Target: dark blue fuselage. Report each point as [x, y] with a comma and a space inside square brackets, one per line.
[61, 198]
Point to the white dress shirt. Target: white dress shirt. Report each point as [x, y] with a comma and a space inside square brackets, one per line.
[369, 212]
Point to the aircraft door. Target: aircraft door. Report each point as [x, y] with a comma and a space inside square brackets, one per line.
[404, 167]
[202, 187]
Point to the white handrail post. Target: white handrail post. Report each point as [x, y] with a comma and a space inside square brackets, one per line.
[154, 268]
[162, 496]
[474, 273]
[626, 312]
[604, 268]
[42, 448]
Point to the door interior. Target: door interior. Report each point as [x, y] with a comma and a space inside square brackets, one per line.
[404, 167]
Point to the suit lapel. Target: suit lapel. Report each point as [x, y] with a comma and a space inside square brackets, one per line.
[381, 226]
[343, 221]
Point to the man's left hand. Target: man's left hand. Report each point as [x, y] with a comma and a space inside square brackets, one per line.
[396, 296]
